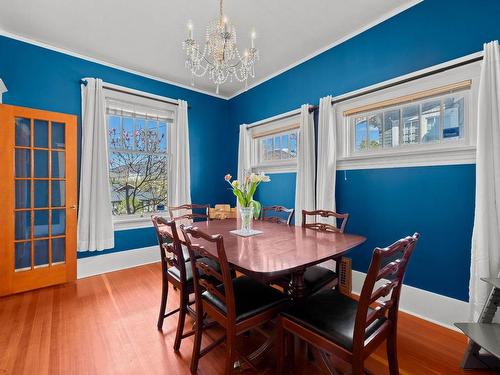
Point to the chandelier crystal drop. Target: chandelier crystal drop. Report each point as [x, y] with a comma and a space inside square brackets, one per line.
[219, 58]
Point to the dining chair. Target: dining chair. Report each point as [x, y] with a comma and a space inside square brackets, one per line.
[277, 214]
[319, 277]
[237, 304]
[195, 212]
[324, 226]
[352, 329]
[176, 270]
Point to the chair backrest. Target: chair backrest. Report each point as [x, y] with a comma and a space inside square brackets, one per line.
[324, 227]
[277, 214]
[195, 212]
[169, 242]
[388, 267]
[204, 246]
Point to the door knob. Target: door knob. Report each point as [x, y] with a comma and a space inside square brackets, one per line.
[73, 207]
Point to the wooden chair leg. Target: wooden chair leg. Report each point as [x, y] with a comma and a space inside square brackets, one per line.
[183, 300]
[358, 366]
[392, 355]
[163, 304]
[280, 349]
[230, 353]
[195, 358]
[309, 351]
[290, 347]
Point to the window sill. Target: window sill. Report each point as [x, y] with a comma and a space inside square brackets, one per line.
[276, 168]
[135, 222]
[462, 154]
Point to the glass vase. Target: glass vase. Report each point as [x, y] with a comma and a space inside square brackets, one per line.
[246, 216]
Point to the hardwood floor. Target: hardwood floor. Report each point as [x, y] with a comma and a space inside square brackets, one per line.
[107, 325]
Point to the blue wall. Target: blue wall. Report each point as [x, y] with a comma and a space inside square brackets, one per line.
[44, 79]
[386, 204]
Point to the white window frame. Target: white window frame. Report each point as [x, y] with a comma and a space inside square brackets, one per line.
[279, 125]
[460, 151]
[153, 102]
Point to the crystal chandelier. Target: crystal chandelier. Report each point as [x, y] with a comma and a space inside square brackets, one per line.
[220, 57]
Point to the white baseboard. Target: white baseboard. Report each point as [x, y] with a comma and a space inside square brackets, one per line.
[99, 264]
[430, 306]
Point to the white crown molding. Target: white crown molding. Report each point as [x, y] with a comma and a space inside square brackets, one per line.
[368, 26]
[105, 63]
[191, 88]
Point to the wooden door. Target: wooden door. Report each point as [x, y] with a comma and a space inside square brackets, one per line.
[37, 199]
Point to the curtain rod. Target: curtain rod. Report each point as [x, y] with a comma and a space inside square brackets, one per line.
[114, 88]
[409, 79]
[282, 116]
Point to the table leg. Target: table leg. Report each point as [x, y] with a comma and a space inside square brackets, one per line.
[297, 289]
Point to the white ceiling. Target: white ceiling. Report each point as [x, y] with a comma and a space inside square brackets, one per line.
[146, 36]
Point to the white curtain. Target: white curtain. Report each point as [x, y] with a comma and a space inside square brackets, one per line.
[244, 163]
[3, 89]
[306, 165]
[180, 176]
[95, 220]
[485, 260]
[327, 158]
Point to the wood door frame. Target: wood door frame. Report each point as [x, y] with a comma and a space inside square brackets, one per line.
[11, 281]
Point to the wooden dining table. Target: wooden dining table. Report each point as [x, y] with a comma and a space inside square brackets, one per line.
[279, 250]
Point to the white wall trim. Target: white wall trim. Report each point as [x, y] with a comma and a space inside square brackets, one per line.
[366, 27]
[105, 63]
[429, 306]
[431, 157]
[120, 260]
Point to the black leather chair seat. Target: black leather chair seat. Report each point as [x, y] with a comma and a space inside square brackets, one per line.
[175, 272]
[251, 297]
[331, 315]
[317, 276]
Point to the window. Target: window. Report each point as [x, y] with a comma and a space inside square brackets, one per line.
[428, 121]
[278, 148]
[138, 143]
[434, 120]
[274, 145]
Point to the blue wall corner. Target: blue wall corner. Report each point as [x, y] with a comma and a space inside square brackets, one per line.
[383, 202]
[44, 79]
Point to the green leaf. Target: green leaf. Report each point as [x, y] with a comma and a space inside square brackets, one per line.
[240, 197]
[256, 209]
[252, 190]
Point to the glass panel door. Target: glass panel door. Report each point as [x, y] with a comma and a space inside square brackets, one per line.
[41, 230]
[39, 196]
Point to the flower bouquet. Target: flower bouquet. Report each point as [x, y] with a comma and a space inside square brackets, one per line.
[244, 192]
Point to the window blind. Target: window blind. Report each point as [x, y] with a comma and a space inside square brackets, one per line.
[454, 87]
[124, 108]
